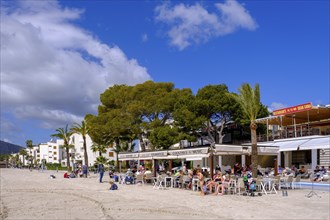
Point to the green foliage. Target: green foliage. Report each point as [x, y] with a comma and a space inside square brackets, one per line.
[163, 137]
[249, 100]
[55, 166]
[29, 144]
[65, 133]
[99, 148]
[101, 160]
[83, 130]
[164, 115]
[4, 157]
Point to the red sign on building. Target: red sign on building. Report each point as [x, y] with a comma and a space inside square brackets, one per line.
[294, 109]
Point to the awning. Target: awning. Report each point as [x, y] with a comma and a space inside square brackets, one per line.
[316, 143]
[194, 158]
[268, 150]
[190, 152]
[290, 145]
[187, 157]
[128, 156]
[228, 148]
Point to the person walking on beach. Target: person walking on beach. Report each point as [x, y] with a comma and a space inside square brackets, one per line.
[85, 170]
[101, 171]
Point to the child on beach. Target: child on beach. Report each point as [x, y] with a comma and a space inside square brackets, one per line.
[113, 186]
[201, 181]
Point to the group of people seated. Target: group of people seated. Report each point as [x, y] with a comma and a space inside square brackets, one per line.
[131, 174]
[320, 173]
[71, 175]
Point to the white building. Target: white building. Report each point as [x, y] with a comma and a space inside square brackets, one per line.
[51, 151]
[78, 151]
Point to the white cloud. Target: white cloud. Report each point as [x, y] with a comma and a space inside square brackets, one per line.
[194, 24]
[276, 106]
[144, 37]
[53, 70]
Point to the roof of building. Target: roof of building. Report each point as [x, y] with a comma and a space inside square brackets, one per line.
[287, 116]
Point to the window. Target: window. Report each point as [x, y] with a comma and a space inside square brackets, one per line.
[55, 153]
[110, 154]
[54, 147]
[55, 158]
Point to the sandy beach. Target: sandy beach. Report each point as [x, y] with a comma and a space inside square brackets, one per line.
[33, 195]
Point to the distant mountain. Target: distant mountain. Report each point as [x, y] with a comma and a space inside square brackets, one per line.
[8, 148]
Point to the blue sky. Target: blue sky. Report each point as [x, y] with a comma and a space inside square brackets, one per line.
[58, 56]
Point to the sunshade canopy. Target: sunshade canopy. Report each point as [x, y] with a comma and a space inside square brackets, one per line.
[316, 114]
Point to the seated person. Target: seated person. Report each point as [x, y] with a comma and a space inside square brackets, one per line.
[280, 169]
[111, 174]
[237, 169]
[217, 179]
[113, 186]
[225, 183]
[80, 172]
[259, 173]
[188, 180]
[129, 177]
[323, 170]
[129, 172]
[66, 175]
[72, 175]
[302, 170]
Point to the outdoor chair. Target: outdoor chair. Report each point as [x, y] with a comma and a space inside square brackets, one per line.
[277, 182]
[159, 182]
[240, 186]
[261, 186]
[180, 182]
[296, 181]
[139, 178]
[148, 177]
[232, 186]
[288, 183]
[186, 181]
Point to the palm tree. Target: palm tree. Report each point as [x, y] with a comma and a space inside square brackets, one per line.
[65, 133]
[99, 148]
[101, 160]
[23, 153]
[83, 131]
[29, 145]
[249, 100]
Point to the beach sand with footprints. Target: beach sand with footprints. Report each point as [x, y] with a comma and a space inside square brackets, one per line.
[33, 195]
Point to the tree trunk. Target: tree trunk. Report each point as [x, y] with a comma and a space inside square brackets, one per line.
[85, 153]
[211, 165]
[68, 158]
[254, 154]
[117, 162]
[143, 147]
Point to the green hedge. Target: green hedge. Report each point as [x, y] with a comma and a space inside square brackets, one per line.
[53, 166]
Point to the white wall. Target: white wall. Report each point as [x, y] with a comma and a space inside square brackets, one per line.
[78, 142]
[51, 151]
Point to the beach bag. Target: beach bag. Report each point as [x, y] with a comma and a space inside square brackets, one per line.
[115, 177]
[114, 187]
